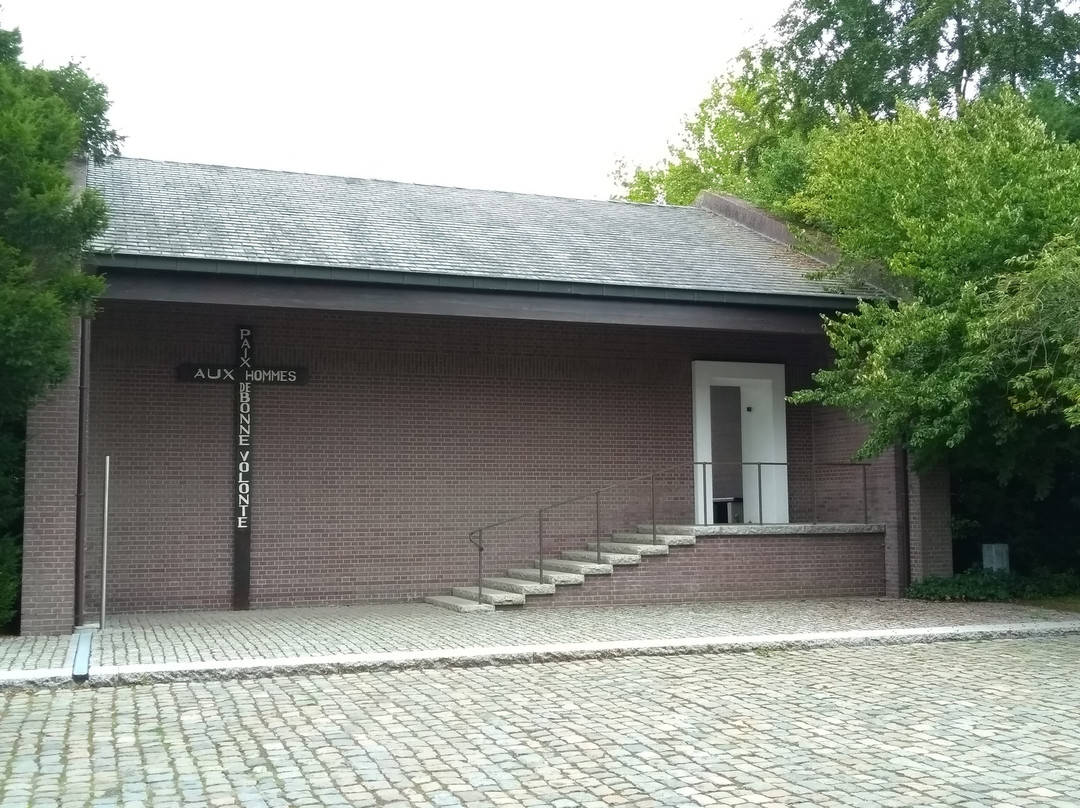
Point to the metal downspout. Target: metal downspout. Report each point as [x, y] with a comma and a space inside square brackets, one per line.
[903, 522]
[81, 472]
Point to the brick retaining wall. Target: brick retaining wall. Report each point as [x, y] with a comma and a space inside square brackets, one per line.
[740, 567]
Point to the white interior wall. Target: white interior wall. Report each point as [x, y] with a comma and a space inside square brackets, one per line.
[764, 438]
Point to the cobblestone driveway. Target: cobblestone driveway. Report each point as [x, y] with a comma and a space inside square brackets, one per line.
[179, 637]
[971, 724]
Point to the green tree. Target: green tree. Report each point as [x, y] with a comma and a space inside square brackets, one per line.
[978, 362]
[868, 56]
[829, 60]
[747, 138]
[47, 118]
[977, 216]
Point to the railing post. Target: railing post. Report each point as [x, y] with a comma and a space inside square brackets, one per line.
[540, 534]
[652, 492]
[760, 497]
[480, 566]
[597, 527]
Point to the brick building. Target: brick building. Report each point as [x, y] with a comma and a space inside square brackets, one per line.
[313, 390]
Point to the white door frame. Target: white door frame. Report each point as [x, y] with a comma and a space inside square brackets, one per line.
[764, 438]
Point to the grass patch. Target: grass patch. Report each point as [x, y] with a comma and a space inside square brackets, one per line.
[1063, 604]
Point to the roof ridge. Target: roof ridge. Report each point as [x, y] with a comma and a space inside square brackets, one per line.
[758, 221]
[290, 172]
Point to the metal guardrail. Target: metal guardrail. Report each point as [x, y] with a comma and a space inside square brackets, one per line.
[476, 537]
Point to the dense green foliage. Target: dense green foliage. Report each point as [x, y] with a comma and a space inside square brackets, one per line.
[47, 117]
[989, 585]
[9, 579]
[830, 60]
[974, 218]
[745, 139]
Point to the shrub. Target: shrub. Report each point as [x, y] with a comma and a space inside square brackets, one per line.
[9, 579]
[980, 584]
[973, 584]
[1046, 584]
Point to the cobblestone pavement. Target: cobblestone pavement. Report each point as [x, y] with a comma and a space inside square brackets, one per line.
[40, 653]
[966, 724]
[180, 637]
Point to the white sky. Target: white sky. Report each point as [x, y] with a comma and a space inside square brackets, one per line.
[539, 97]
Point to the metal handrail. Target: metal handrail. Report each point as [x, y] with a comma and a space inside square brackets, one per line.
[478, 542]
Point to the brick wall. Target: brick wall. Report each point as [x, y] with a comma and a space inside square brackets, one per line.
[412, 431]
[52, 450]
[734, 567]
[931, 553]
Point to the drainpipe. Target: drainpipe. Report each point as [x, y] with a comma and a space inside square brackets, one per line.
[76, 170]
[81, 475]
[903, 522]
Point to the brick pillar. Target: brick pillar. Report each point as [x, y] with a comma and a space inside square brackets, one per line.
[931, 533]
[885, 508]
[52, 451]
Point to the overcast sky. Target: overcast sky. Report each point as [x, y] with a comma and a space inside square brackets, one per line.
[535, 97]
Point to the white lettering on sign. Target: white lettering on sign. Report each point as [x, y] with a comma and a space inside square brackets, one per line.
[278, 376]
[243, 436]
[214, 374]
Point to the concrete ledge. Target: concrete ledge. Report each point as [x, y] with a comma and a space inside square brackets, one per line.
[823, 529]
[102, 676]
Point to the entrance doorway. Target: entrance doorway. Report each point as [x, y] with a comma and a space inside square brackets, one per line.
[740, 440]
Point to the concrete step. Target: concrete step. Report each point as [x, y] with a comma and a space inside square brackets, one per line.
[614, 559]
[629, 548]
[670, 539]
[580, 567]
[496, 597]
[458, 604]
[519, 586]
[549, 577]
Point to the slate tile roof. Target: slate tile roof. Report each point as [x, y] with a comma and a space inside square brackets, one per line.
[225, 214]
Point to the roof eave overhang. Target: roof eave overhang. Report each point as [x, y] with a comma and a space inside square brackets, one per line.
[428, 280]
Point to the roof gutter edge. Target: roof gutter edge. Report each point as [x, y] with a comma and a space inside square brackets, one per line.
[425, 280]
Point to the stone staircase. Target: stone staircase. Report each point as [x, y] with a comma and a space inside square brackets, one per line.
[571, 568]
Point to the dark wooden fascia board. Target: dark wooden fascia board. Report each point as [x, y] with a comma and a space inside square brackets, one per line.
[196, 266]
[165, 287]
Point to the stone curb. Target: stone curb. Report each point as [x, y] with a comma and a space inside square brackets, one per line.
[35, 679]
[113, 675]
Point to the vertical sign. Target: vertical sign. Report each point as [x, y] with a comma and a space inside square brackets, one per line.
[244, 375]
[242, 528]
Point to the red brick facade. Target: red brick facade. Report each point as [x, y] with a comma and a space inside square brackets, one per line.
[412, 431]
[929, 515]
[52, 451]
